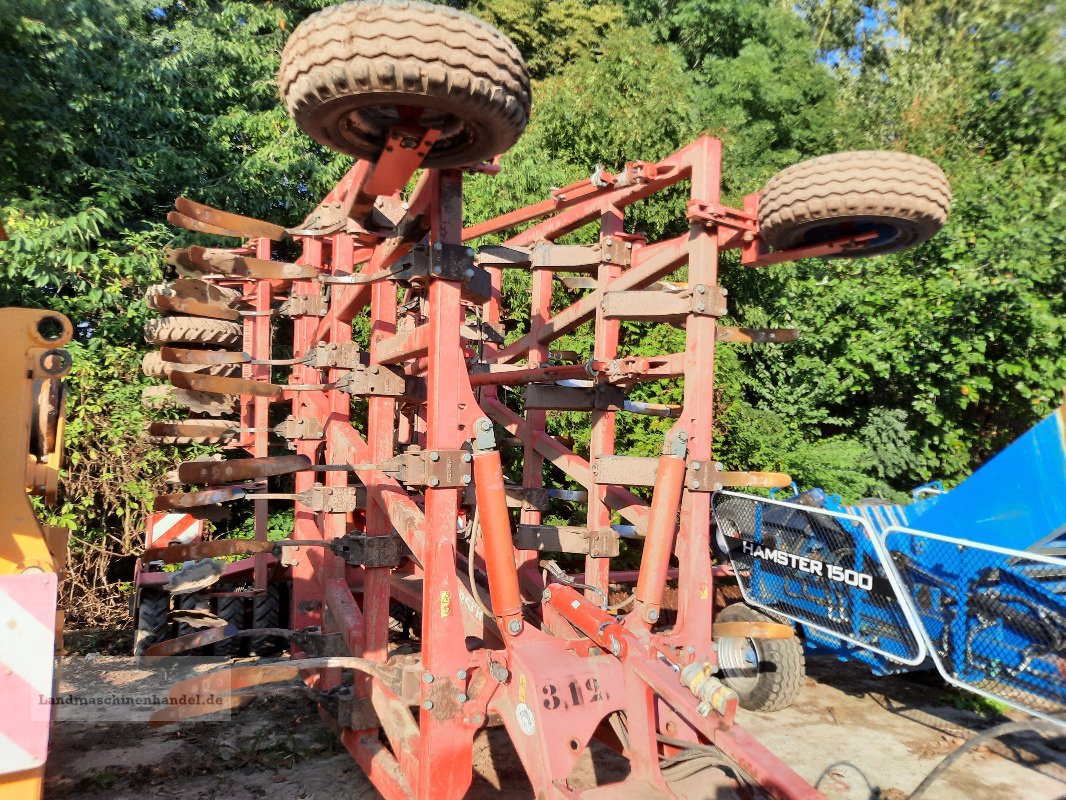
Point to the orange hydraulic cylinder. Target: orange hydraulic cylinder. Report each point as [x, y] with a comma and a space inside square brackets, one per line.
[659, 542]
[499, 546]
[600, 626]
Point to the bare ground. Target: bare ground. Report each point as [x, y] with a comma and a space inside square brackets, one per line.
[856, 736]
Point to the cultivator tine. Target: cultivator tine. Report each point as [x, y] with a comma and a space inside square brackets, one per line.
[180, 355]
[190, 641]
[240, 469]
[180, 501]
[196, 308]
[178, 257]
[217, 384]
[229, 263]
[192, 429]
[239, 225]
[217, 548]
[188, 223]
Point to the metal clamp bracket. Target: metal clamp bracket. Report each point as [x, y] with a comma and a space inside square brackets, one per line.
[333, 499]
[717, 214]
[348, 355]
[373, 381]
[602, 397]
[370, 551]
[439, 469]
[450, 262]
[299, 428]
[304, 305]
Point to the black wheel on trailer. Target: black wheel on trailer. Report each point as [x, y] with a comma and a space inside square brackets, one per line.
[266, 613]
[350, 72]
[765, 673]
[151, 624]
[230, 609]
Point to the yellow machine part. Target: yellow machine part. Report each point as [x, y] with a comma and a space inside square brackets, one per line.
[31, 433]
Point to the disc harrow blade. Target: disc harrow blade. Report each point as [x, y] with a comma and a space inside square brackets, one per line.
[245, 227]
[217, 384]
[241, 469]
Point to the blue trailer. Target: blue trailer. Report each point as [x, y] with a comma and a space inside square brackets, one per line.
[970, 581]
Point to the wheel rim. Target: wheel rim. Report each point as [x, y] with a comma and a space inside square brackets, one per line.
[739, 662]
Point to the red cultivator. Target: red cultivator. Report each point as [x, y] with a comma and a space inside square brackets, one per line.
[401, 497]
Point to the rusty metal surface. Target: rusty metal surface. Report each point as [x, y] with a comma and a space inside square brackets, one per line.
[240, 469]
[183, 355]
[229, 263]
[218, 548]
[181, 501]
[217, 384]
[245, 227]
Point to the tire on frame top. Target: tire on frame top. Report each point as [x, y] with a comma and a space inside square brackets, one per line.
[902, 198]
[351, 71]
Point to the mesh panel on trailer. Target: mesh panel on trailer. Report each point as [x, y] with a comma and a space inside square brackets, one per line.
[818, 568]
[995, 619]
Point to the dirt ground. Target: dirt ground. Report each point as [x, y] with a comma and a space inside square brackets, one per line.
[857, 737]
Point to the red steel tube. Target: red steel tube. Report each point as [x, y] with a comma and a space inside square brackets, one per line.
[662, 527]
[496, 528]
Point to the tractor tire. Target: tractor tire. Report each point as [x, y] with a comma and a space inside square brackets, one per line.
[230, 609]
[151, 624]
[223, 436]
[154, 366]
[209, 403]
[766, 674]
[902, 198]
[266, 613]
[193, 330]
[350, 72]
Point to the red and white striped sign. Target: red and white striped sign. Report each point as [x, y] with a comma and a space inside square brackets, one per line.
[27, 650]
[165, 528]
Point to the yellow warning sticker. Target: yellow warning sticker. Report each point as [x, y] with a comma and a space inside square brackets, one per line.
[445, 603]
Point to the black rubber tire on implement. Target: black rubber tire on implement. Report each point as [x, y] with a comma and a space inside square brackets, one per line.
[266, 613]
[349, 71]
[230, 609]
[151, 624]
[193, 330]
[780, 665]
[903, 198]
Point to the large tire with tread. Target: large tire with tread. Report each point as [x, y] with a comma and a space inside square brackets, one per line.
[351, 71]
[193, 330]
[230, 609]
[774, 680]
[266, 613]
[902, 198]
[154, 366]
[151, 628]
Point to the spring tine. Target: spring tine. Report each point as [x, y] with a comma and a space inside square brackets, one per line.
[247, 227]
[195, 308]
[193, 429]
[177, 553]
[181, 355]
[217, 384]
[241, 469]
[230, 263]
[180, 259]
[188, 223]
[180, 501]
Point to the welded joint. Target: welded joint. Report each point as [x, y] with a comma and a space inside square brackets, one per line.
[718, 214]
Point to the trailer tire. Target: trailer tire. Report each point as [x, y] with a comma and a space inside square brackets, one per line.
[774, 680]
[151, 625]
[902, 198]
[348, 72]
[193, 330]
